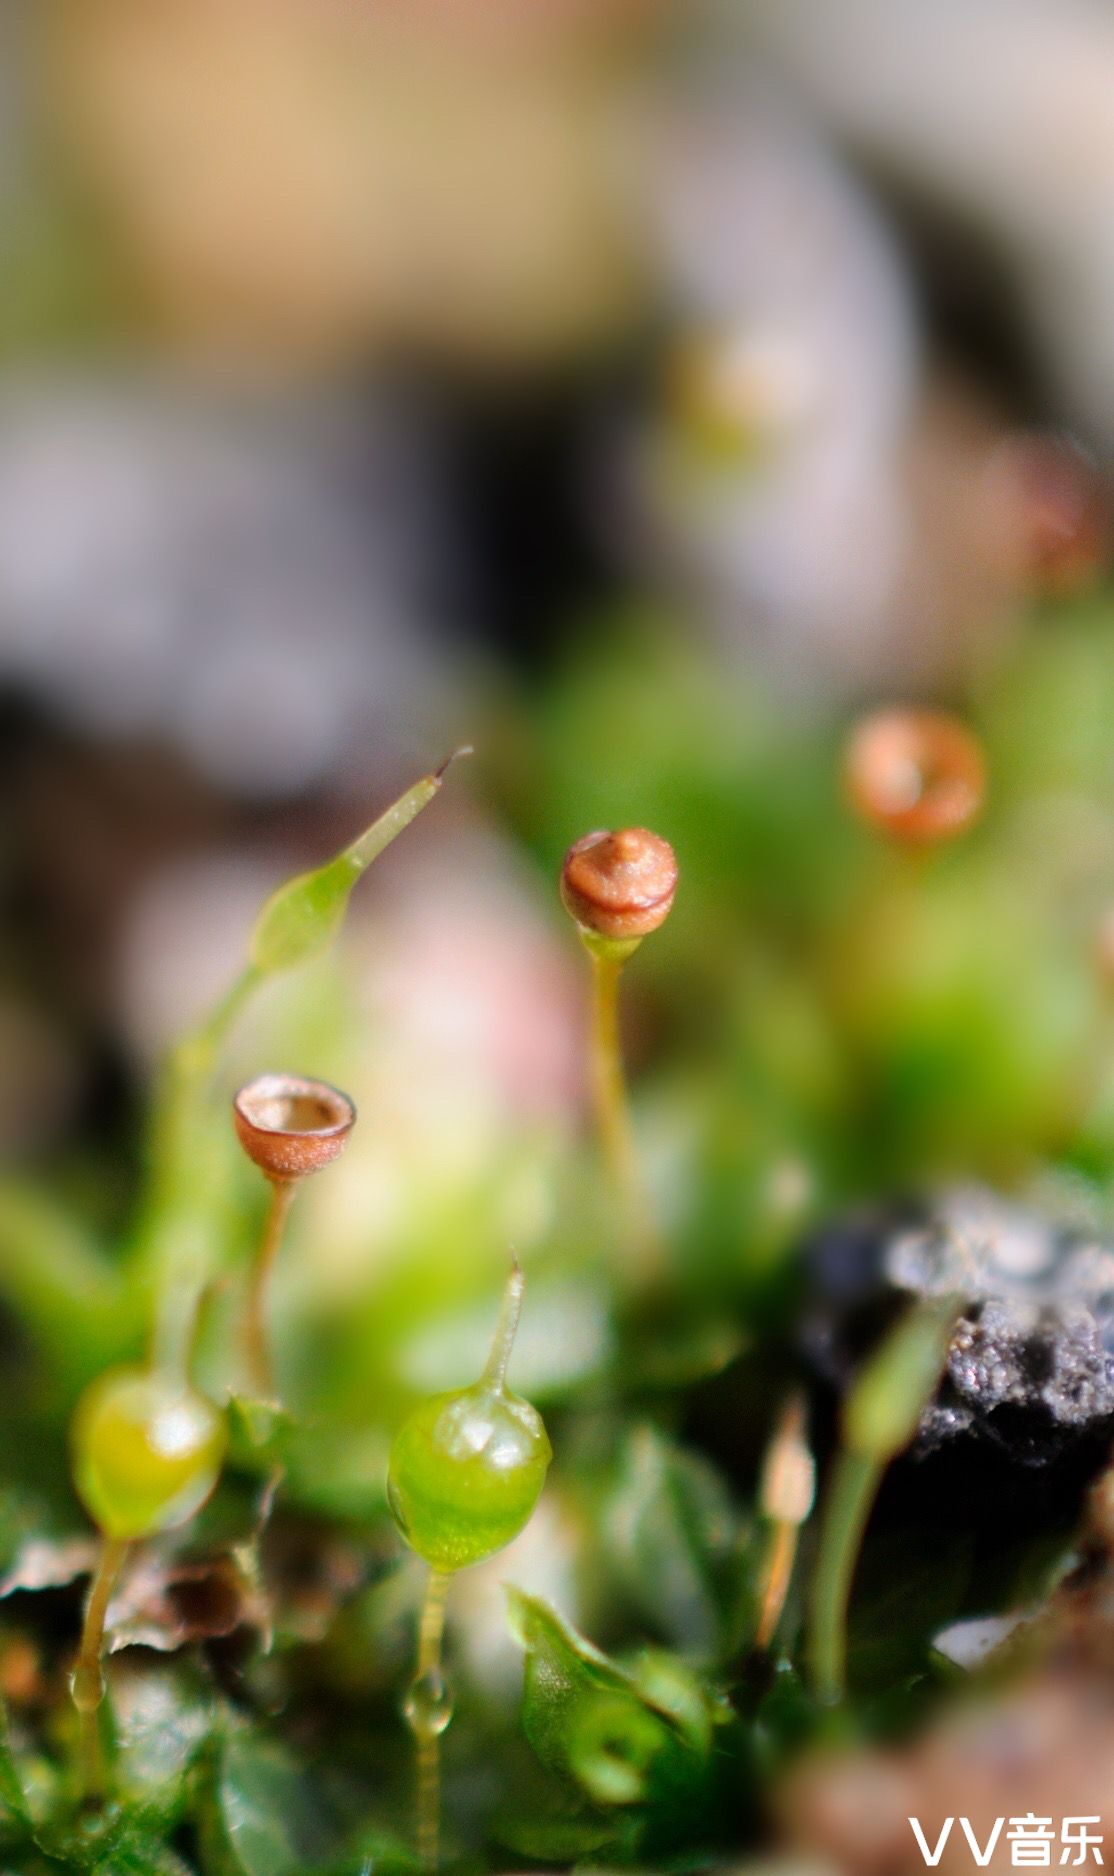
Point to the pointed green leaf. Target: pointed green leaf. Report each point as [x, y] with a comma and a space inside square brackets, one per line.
[259, 1432]
[889, 1396]
[301, 919]
[623, 1737]
[563, 1672]
[673, 1536]
[267, 1821]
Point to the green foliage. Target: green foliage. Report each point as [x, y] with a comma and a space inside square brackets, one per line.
[816, 1024]
[62, 1286]
[646, 1745]
[675, 1542]
[263, 1818]
[15, 1815]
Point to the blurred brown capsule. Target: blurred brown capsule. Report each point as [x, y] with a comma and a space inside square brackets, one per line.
[917, 774]
[291, 1126]
[21, 1672]
[1060, 513]
[619, 885]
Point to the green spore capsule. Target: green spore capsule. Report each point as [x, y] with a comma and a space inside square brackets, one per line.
[466, 1471]
[467, 1468]
[147, 1452]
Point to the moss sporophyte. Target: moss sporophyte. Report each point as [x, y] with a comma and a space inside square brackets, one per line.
[289, 1126]
[147, 1452]
[466, 1471]
[296, 925]
[618, 887]
[918, 775]
[786, 1491]
[148, 1447]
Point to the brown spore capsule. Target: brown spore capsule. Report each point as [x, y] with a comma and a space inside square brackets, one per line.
[290, 1125]
[919, 775]
[619, 886]
[1061, 514]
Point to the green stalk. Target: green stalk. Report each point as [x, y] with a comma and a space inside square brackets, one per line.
[87, 1685]
[847, 1508]
[428, 1710]
[609, 1090]
[880, 1418]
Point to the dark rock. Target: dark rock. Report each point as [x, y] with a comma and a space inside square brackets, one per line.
[1031, 1367]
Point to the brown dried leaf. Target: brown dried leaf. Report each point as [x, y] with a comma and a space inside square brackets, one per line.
[168, 1605]
[44, 1563]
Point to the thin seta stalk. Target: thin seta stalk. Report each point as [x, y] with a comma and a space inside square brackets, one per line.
[638, 1236]
[428, 1709]
[257, 1352]
[880, 1419]
[87, 1683]
[785, 1497]
[610, 1099]
[848, 1503]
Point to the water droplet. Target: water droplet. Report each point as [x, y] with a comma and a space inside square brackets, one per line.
[87, 1687]
[428, 1706]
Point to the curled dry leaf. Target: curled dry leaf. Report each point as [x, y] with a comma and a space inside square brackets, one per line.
[170, 1605]
[49, 1563]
